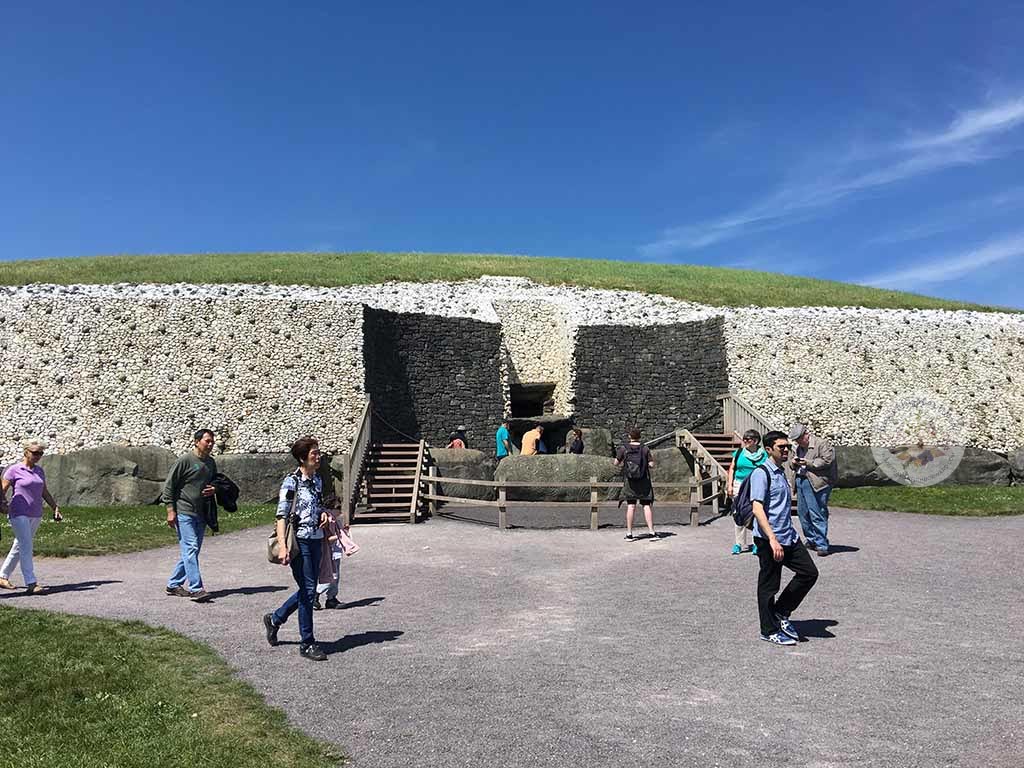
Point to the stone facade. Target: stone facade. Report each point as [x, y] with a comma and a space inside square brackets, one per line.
[658, 377]
[837, 368]
[84, 371]
[145, 365]
[539, 340]
[427, 374]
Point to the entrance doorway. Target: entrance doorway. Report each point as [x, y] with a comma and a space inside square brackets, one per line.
[532, 399]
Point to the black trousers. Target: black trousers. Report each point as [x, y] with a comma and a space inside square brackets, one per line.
[798, 560]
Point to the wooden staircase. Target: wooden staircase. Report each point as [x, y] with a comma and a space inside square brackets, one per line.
[391, 482]
[720, 446]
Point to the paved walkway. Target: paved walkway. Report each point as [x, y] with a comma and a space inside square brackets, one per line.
[466, 646]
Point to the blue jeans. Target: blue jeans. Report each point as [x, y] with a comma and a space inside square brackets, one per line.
[305, 568]
[812, 508]
[191, 529]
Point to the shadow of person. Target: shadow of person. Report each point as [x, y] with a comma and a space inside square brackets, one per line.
[244, 591]
[80, 586]
[815, 628]
[362, 603]
[348, 642]
[836, 549]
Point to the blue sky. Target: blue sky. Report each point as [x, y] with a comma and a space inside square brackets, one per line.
[881, 144]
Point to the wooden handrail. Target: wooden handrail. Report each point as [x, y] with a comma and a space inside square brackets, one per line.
[738, 415]
[356, 459]
[527, 484]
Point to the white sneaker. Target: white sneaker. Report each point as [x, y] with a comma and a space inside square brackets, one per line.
[786, 627]
[779, 639]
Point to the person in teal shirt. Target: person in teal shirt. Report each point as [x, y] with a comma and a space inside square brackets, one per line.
[503, 440]
[744, 461]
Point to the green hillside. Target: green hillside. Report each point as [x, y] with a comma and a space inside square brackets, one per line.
[708, 285]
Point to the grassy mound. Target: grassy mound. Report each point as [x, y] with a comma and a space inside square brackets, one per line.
[92, 693]
[715, 286]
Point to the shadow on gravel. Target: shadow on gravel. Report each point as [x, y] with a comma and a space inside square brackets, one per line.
[363, 603]
[348, 642]
[817, 628]
[836, 549]
[245, 591]
[81, 586]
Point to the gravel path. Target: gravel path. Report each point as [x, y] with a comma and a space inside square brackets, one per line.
[466, 646]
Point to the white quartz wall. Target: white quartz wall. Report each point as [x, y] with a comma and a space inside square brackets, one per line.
[838, 368]
[86, 369]
[539, 342]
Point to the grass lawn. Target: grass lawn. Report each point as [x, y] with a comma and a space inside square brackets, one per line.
[109, 530]
[708, 285]
[91, 693]
[967, 500]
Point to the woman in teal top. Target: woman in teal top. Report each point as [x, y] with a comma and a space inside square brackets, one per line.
[744, 461]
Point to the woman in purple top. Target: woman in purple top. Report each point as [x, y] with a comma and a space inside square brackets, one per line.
[25, 511]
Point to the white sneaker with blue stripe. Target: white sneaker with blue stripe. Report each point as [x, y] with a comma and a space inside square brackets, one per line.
[779, 639]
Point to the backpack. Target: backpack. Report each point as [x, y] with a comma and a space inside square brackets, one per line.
[743, 505]
[636, 467]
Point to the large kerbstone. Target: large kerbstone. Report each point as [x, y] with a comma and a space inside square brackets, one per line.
[108, 475]
[467, 464]
[557, 468]
[597, 441]
[1016, 462]
[857, 467]
[980, 467]
[671, 466]
[259, 475]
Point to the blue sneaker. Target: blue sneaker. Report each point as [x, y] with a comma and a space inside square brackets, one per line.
[753, 549]
[779, 639]
[736, 549]
[786, 627]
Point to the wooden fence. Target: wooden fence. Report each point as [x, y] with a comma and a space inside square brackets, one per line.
[503, 502]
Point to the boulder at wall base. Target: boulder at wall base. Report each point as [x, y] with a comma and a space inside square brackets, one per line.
[597, 441]
[259, 475]
[558, 468]
[1016, 462]
[979, 467]
[857, 467]
[108, 475]
[467, 464]
[671, 466]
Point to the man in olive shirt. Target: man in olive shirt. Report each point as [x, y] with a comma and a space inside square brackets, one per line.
[185, 493]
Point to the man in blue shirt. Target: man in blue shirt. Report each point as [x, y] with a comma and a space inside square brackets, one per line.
[503, 440]
[778, 545]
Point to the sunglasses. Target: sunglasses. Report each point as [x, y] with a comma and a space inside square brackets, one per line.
[35, 453]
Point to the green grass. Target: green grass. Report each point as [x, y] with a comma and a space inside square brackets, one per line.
[91, 693]
[963, 500]
[708, 285]
[110, 530]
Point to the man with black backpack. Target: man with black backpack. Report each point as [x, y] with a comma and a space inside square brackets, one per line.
[636, 460]
[777, 543]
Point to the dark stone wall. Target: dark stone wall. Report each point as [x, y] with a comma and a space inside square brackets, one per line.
[660, 377]
[428, 374]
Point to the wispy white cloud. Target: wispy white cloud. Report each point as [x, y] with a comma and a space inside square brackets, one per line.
[954, 267]
[955, 216]
[971, 138]
[974, 124]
